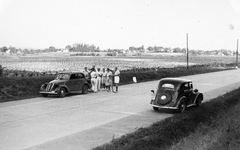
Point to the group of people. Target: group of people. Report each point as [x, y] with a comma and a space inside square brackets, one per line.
[105, 78]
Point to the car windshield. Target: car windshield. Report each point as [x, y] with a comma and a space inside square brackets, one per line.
[62, 76]
[168, 86]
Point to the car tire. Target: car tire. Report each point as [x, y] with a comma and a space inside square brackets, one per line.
[85, 89]
[182, 106]
[155, 108]
[198, 102]
[44, 95]
[62, 92]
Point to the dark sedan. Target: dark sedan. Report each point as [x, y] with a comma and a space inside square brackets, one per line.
[175, 93]
[66, 83]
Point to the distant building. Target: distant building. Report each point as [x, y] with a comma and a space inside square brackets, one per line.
[8, 51]
[19, 52]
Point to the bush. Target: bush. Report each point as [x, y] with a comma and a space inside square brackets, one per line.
[20, 88]
[1, 71]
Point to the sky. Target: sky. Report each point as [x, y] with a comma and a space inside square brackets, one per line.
[210, 24]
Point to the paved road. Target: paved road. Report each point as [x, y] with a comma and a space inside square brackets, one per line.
[86, 121]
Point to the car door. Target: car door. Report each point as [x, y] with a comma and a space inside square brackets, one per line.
[81, 81]
[191, 95]
[72, 83]
[187, 89]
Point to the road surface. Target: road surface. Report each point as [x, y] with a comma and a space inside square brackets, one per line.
[86, 121]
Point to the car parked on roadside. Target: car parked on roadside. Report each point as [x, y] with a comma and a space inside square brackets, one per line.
[66, 83]
[175, 93]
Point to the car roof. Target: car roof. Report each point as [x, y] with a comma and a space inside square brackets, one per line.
[175, 80]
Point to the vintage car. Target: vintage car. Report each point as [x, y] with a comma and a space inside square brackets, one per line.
[175, 93]
[65, 83]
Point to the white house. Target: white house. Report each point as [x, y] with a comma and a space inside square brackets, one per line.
[8, 51]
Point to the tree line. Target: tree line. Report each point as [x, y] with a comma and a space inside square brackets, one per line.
[83, 47]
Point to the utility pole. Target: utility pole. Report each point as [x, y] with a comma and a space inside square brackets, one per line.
[187, 50]
[237, 55]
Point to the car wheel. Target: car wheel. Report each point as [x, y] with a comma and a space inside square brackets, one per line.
[167, 98]
[182, 106]
[85, 89]
[62, 92]
[44, 95]
[199, 102]
[155, 108]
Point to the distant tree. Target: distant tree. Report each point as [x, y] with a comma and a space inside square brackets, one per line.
[193, 52]
[183, 50]
[176, 50]
[1, 71]
[69, 47]
[167, 49]
[12, 49]
[4, 49]
[52, 49]
[150, 48]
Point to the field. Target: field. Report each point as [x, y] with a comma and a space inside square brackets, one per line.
[63, 61]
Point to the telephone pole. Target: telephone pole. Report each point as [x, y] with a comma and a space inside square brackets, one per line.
[187, 50]
[237, 55]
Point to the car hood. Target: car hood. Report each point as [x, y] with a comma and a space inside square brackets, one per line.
[58, 81]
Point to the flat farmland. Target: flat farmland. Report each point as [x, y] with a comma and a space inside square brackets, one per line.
[59, 62]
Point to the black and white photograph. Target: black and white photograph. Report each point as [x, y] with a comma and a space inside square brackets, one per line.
[119, 75]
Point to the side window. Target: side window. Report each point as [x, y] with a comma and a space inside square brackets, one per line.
[185, 86]
[80, 75]
[73, 76]
[191, 86]
[168, 86]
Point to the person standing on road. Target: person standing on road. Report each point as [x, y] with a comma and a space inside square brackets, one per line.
[87, 75]
[104, 79]
[99, 79]
[109, 82]
[94, 80]
[116, 78]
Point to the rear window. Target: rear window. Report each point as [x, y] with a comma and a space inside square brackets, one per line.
[168, 86]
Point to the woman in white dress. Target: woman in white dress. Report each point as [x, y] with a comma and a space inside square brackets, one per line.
[116, 78]
[94, 80]
[99, 79]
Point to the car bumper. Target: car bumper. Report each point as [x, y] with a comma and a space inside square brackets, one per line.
[166, 107]
[52, 92]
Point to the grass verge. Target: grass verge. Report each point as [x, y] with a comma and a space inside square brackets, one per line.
[214, 125]
[14, 88]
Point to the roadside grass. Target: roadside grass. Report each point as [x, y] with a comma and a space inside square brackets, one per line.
[12, 89]
[222, 133]
[18, 88]
[214, 125]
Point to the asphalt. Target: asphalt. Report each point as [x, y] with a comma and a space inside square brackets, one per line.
[86, 121]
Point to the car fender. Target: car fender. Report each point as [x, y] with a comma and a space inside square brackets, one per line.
[64, 86]
[89, 85]
[198, 94]
[180, 100]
